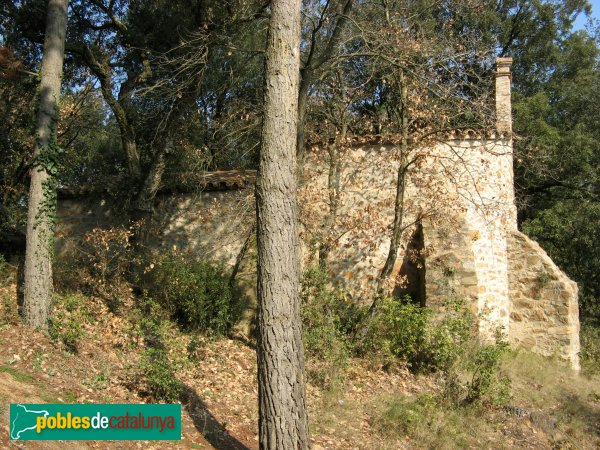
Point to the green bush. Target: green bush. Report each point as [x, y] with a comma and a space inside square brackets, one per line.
[159, 376]
[196, 294]
[402, 415]
[2, 265]
[6, 272]
[447, 338]
[70, 312]
[154, 374]
[475, 377]
[485, 383]
[329, 321]
[407, 331]
[590, 349]
[9, 312]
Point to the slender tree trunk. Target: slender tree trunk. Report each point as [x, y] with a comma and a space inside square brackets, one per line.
[283, 422]
[397, 225]
[41, 215]
[306, 80]
[333, 188]
[116, 105]
[314, 62]
[142, 208]
[144, 201]
[397, 228]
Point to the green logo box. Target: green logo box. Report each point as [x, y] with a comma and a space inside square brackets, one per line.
[77, 422]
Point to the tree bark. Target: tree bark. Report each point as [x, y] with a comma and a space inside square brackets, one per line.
[102, 71]
[397, 226]
[41, 215]
[283, 422]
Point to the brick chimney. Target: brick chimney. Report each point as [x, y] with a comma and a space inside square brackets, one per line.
[503, 98]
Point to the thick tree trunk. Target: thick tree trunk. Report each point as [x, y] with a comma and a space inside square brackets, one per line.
[42, 192]
[283, 422]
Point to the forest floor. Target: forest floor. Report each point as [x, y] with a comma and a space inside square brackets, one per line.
[370, 408]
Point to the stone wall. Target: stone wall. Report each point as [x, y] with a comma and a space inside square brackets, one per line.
[211, 224]
[544, 311]
[470, 247]
[461, 195]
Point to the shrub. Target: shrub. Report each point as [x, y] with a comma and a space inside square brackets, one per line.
[407, 331]
[157, 372]
[486, 384]
[154, 374]
[3, 270]
[9, 312]
[590, 348]
[475, 376]
[100, 266]
[447, 338]
[404, 330]
[66, 327]
[328, 321]
[402, 415]
[196, 294]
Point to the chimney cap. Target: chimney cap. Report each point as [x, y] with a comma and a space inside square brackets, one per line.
[503, 65]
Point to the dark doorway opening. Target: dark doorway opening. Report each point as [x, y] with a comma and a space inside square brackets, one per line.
[412, 271]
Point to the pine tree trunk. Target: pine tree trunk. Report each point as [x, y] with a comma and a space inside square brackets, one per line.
[42, 192]
[283, 422]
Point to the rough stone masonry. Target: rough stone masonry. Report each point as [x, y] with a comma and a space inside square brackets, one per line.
[461, 239]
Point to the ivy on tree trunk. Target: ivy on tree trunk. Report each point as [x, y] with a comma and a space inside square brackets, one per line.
[41, 215]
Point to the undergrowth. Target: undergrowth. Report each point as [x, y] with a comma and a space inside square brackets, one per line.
[70, 313]
[196, 294]
[590, 349]
[154, 374]
[328, 321]
[545, 398]
[8, 306]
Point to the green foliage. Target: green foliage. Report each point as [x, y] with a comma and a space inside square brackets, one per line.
[404, 330]
[47, 159]
[196, 294]
[428, 422]
[557, 164]
[451, 417]
[590, 349]
[158, 375]
[475, 376]
[16, 374]
[154, 373]
[66, 326]
[92, 147]
[567, 230]
[485, 383]
[407, 331]
[405, 416]
[328, 321]
[9, 312]
[4, 272]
